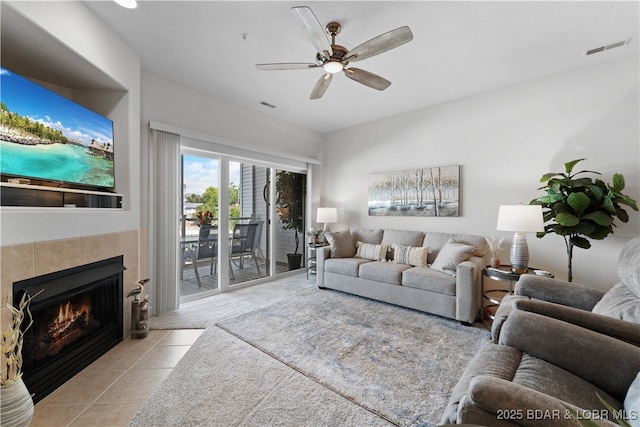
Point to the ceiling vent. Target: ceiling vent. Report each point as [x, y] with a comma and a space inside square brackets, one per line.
[266, 104]
[607, 47]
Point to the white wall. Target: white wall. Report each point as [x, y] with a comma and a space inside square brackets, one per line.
[82, 33]
[504, 141]
[174, 104]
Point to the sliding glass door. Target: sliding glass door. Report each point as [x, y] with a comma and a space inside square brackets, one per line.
[290, 208]
[249, 215]
[227, 234]
[199, 218]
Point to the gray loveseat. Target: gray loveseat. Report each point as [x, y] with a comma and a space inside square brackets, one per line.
[437, 273]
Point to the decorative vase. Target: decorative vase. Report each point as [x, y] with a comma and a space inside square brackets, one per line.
[495, 262]
[16, 405]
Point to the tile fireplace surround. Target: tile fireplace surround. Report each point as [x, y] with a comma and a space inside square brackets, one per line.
[29, 260]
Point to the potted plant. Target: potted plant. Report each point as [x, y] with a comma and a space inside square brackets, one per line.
[581, 208]
[16, 404]
[290, 193]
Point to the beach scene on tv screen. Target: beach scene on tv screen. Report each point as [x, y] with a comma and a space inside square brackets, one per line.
[46, 136]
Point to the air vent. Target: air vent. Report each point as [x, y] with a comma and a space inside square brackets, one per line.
[607, 47]
[266, 104]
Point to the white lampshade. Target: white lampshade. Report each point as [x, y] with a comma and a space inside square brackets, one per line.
[327, 215]
[522, 218]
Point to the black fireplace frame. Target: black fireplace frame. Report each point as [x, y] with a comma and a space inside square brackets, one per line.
[41, 383]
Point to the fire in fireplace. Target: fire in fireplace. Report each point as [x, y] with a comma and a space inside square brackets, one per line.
[76, 319]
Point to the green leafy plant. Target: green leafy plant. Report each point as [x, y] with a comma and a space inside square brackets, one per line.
[290, 194]
[581, 208]
[585, 422]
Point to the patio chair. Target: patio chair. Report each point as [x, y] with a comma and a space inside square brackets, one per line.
[258, 239]
[207, 248]
[242, 245]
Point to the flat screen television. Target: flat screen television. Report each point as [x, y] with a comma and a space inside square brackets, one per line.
[51, 140]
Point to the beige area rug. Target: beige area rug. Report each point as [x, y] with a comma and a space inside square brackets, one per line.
[223, 381]
[286, 353]
[398, 363]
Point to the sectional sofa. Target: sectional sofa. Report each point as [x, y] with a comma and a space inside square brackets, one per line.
[438, 273]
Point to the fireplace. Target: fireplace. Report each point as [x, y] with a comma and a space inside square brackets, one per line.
[76, 319]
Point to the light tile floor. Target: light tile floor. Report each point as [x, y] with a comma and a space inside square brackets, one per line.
[109, 391]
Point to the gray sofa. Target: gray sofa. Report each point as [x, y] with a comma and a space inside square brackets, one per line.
[615, 312]
[437, 273]
[557, 341]
[540, 364]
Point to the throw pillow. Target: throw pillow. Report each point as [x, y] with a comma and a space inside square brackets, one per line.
[410, 255]
[341, 243]
[619, 302]
[452, 254]
[632, 402]
[372, 252]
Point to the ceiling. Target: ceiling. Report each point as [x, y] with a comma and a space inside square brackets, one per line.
[459, 49]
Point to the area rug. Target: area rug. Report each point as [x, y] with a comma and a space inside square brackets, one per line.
[205, 312]
[223, 381]
[398, 363]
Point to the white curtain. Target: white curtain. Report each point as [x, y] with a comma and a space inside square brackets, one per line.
[163, 231]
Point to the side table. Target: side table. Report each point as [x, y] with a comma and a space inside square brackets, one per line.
[312, 255]
[494, 296]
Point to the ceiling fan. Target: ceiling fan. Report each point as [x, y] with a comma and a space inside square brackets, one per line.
[334, 58]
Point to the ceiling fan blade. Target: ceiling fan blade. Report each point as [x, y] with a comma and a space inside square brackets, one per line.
[286, 66]
[366, 78]
[315, 31]
[380, 44]
[321, 86]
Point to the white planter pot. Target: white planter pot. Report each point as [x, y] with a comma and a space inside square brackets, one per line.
[16, 405]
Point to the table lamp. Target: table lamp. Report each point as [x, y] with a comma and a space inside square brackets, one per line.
[521, 219]
[327, 216]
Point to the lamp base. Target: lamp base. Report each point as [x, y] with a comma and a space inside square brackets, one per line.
[519, 255]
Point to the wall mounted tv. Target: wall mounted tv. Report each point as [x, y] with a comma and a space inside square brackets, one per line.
[51, 140]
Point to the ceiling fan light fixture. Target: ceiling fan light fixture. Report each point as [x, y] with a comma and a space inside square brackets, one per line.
[333, 67]
[129, 4]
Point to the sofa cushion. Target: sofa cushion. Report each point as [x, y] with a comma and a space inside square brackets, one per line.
[403, 237]
[428, 279]
[632, 402]
[619, 302]
[549, 379]
[451, 255]
[346, 266]
[410, 255]
[436, 241]
[370, 251]
[342, 244]
[387, 272]
[373, 236]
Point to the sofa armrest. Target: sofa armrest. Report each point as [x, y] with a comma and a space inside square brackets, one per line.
[606, 362]
[616, 328]
[468, 289]
[558, 291]
[522, 405]
[322, 254]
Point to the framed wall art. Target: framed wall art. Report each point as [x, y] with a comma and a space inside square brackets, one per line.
[433, 191]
